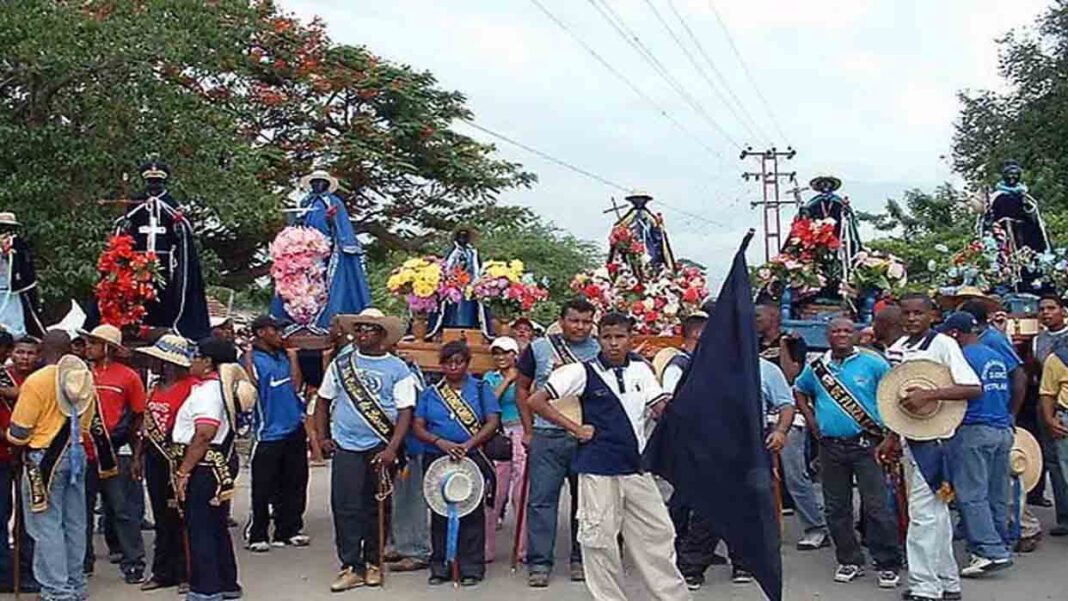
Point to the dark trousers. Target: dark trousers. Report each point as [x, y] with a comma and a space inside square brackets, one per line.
[842, 460]
[470, 545]
[168, 556]
[696, 548]
[7, 560]
[353, 484]
[279, 483]
[116, 508]
[551, 454]
[212, 566]
[134, 494]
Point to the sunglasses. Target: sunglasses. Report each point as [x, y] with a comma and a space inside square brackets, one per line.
[367, 328]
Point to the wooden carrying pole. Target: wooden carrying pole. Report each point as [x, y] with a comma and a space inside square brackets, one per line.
[521, 513]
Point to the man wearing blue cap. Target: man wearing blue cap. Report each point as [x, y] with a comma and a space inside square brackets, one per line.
[979, 452]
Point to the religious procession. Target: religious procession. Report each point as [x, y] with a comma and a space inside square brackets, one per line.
[297, 349]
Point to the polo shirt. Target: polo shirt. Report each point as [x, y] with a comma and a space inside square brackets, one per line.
[860, 374]
[507, 400]
[440, 420]
[279, 409]
[774, 389]
[164, 401]
[997, 341]
[539, 360]
[992, 408]
[204, 407]
[121, 392]
[37, 418]
[1055, 380]
[614, 401]
[385, 376]
[940, 349]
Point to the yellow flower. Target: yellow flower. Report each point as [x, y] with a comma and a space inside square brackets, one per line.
[414, 263]
[394, 282]
[517, 267]
[423, 289]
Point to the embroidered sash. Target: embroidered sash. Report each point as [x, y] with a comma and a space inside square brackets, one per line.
[845, 399]
[366, 403]
[40, 474]
[465, 414]
[570, 406]
[106, 461]
[561, 349]
[219, 458]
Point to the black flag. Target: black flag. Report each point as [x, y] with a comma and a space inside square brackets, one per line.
[709, 444]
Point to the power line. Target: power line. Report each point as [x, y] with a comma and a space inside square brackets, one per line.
[647, 55]
[604, 63]
[587, 173]
[712, 66]
[748, 73]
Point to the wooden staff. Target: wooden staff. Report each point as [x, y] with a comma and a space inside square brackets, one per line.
[776, 481]
[17, 562]
[897, 480]
[385, 490]
[521, 514]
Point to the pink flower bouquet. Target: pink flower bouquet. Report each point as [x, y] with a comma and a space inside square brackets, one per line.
[299, 256]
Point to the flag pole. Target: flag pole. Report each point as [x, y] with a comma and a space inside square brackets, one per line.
[17, 560]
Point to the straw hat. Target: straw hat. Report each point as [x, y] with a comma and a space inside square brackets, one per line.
[305, 182]
[108, 334]
[170, 348]
[75, 388]
[453, 482]
[966, 293]
[236, 383]
[834, 182]
[662, 359]
[938, 420]
[8, 218]
[1025, 459]
[394, 326]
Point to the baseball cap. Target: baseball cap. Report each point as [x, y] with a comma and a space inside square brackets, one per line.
[265, 321]
[960, 321]
[506, 344]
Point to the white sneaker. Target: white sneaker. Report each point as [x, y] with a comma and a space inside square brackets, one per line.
[977, 567]
[260, 547]
[848, 573]
[889, 579]
[300, 540]
[812, 540]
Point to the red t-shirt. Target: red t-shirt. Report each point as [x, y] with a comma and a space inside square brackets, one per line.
[5, 418]
[164, 403]
[120, 389]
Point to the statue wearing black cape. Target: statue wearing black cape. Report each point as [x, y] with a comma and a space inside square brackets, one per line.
[157, 225]
[19, 302]
[1017, 213]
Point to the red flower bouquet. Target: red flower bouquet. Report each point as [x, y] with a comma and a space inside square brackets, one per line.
[127, 283]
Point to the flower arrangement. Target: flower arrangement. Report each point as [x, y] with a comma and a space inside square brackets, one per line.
[876, 270]
[299, 256]
[808, 261]
[657, 305]
[507, 289]
[418, 281]
[128, 281]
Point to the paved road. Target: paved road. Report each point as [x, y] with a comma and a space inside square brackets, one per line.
[305, 574]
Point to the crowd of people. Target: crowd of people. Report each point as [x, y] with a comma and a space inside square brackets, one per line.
[81, 424]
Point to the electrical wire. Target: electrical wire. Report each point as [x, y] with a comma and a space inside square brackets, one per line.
[748, 73]
[604, 63]
[628, 35]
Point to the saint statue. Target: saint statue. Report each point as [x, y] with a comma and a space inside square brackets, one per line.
[828, 205]
[465, 313]
[347, 288]
[1021, 225]
[19, 303]
[648, 227]
[157, 226]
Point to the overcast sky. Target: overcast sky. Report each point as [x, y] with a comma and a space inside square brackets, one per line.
[863, 89]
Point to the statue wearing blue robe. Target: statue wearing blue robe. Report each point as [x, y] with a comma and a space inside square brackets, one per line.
[649, 228]
[466, 313]
[348, 291]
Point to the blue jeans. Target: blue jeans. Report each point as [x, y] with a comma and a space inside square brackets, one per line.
[551, 454]
[410, 528]
[980, 458]
[58, 533]
[1061, 444]
[807, 495]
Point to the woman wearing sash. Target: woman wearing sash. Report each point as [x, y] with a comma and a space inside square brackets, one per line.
[455, 418]
[203, 480]
[172, 357]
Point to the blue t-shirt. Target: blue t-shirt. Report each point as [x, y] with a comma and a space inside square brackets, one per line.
[539, 360]
[991, 409]
[385, 376]
[507, 401]
[860, 373]
[279, 409]
[441, 422]
[998, 341]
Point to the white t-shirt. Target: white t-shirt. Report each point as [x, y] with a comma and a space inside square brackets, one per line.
[942, 349]
[205, 406]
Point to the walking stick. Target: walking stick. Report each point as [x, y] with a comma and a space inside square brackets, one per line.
[521, 515]
[776, 480]
[385, 490]
[901, 500]
[17, 563]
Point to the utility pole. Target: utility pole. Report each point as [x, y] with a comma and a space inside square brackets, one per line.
[769, 177]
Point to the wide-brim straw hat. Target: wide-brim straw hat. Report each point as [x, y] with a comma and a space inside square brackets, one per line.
[453, 482]
[819, 179]
[305, 182]
[939, 420]
[170, 348]
[237, 386]
[662, 359]
[75, 388]
[966, 293]
[8, 218]
[394, 326]
[108, 334]
[1025, 459]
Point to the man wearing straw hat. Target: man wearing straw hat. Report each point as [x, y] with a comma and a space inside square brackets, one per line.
[364, 410]
[57, 407]
[122, 404]
[929, 545]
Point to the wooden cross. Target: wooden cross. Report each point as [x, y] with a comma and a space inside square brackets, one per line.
[615, 208]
